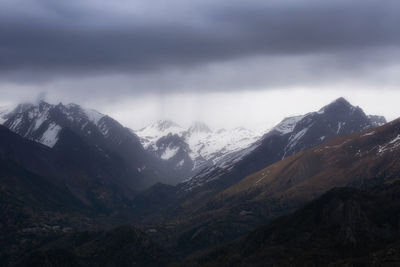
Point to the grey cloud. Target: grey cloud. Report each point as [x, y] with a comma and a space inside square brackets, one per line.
[53, 40]
[139, 46]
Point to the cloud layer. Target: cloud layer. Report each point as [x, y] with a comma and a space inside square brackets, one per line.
[171, 44]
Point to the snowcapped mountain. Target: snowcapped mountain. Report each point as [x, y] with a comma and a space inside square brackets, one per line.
[47, 123]
[4, 111]
[43, 122]
[154, 131]
[194, 148]
[291, 135]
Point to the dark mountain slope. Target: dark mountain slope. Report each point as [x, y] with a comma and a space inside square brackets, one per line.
[45, 123]
[120, 246]
[73, 164]
[47, 191]
[344, 226]
[33, 209]
[152, 205]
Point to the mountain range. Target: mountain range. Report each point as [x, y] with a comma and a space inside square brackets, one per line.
[292, 135]
[361, 160]
[70, 177]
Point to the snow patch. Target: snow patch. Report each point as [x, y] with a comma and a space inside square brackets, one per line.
[93, 115]
[390, 146]
[39, 121]
[293, 140]
[288, 124]
[4, 111]
[50, 136]
[180, 163]
[15, 124]
[339, 127]
[367, 134]
[169, 153]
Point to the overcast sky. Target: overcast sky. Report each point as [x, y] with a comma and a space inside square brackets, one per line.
[225, 62]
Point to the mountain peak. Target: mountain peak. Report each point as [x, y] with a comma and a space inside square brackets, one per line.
[199, 127]
[163, 125]
[340, 104]
[166, 124]
[73, 110]
[342, 100]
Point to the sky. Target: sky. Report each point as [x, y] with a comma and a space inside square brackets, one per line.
[225, 62]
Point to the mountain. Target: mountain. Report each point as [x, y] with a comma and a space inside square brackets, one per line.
[343, 227]
[46, 123]
[188, 150]
[235, 201]
[46, 191]
[292, 135]
[4, 111]
[361, 160]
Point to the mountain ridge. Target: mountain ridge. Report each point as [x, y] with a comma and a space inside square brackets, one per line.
[291, 135]
[199, 145]
[43, 123]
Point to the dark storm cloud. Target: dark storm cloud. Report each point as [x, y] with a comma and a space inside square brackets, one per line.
[101, 50]
[81, 38]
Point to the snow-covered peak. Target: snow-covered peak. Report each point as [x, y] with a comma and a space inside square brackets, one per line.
[199, 127]
[4, 111]
[150, 134]
[42, 121]
[209, 147]
[204, 146]
[76, 112]
[165, 126]
[337, 112]
[22, 107]
[339, 104]
[160, 127]
[93, 115]
[287, 124]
